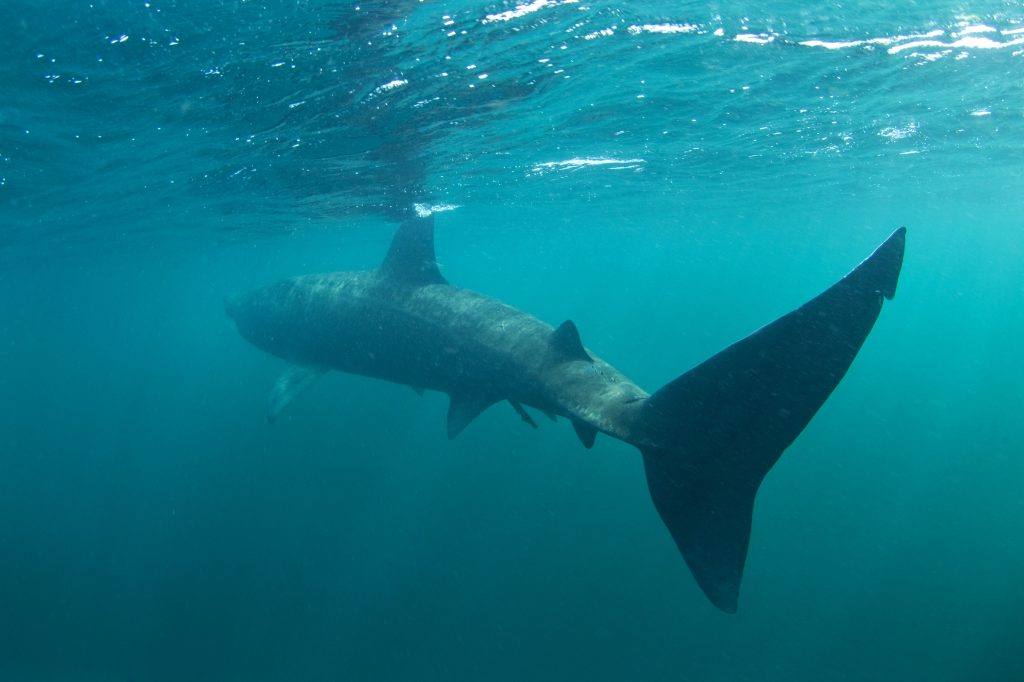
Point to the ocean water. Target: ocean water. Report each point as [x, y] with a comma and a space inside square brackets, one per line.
[670, 176]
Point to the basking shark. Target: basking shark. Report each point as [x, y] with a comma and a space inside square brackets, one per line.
[707, 438]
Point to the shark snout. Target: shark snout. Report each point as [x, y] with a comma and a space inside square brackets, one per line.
[232, 304]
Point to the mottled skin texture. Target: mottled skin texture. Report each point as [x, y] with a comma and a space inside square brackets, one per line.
[438, 337]
[708, 437]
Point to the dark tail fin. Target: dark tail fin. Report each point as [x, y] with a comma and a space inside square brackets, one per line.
[721, 426]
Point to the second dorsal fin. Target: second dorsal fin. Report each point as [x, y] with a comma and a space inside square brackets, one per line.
[411, 258]
[565, 342]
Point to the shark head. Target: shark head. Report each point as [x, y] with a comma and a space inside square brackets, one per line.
[233, 305]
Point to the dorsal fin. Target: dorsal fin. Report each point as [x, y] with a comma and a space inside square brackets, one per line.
[565, 342]
[411, 258]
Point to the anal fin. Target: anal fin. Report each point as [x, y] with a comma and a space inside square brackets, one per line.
[523, 414]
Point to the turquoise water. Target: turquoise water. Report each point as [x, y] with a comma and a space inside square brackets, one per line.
[670, 176]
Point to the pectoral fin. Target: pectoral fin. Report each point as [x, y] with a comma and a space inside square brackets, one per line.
[293, 382]
[586, 433]
[464, 408]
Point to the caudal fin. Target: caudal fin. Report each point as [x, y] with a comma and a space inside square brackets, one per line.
[721, 426]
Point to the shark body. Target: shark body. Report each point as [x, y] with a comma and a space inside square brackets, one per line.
[707, 438]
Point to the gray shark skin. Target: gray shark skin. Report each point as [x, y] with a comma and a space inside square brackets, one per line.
[707, 438]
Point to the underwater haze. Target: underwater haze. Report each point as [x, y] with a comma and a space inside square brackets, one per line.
[668, 175]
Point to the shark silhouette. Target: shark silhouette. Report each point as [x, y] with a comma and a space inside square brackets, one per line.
[707, 438]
